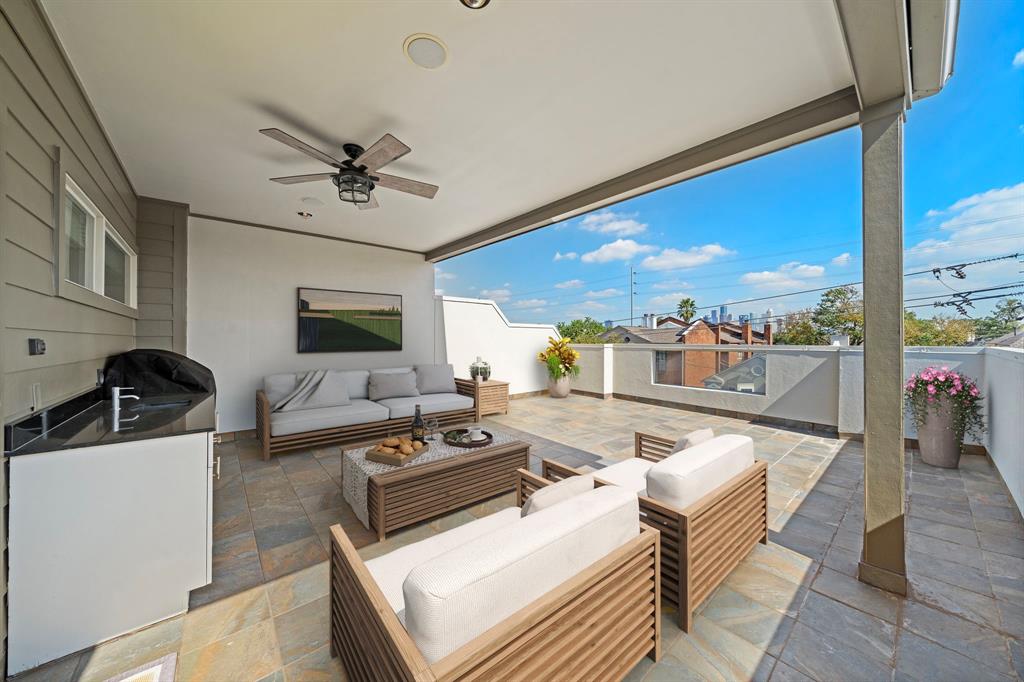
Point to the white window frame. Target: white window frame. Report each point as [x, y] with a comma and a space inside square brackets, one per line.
[101, 229]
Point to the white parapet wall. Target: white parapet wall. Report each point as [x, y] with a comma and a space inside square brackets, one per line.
[471, 327]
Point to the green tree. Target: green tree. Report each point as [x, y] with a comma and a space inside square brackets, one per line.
[840, 311]
[937, 331]
[800, 332]
[1004, 319]
[587, 330]
[686, 309]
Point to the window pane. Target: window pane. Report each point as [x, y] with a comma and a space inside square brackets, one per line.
[737, 371]
[79, 235]
[668, 367]
[115, 271]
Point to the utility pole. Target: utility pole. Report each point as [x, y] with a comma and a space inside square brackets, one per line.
[632, 293]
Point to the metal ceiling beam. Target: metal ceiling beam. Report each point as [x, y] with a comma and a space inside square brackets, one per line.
[816, 118]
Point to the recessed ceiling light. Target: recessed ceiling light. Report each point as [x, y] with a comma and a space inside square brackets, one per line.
[475, 4]
[426, 50]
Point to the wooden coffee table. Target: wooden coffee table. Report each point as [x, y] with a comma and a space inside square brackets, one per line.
[417, 492]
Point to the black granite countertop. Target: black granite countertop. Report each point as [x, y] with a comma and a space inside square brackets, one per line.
[88, 420]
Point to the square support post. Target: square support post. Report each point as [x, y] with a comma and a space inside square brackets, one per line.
[883, 561]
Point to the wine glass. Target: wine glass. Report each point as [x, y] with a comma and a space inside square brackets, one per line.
[431, 425]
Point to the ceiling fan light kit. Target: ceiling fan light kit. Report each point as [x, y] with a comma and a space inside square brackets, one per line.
[356, 177]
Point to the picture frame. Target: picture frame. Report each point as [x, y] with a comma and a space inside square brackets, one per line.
[343, 321]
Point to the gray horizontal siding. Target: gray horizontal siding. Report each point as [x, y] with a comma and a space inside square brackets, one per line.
[162, 235]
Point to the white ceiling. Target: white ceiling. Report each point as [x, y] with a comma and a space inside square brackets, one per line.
[537, 101]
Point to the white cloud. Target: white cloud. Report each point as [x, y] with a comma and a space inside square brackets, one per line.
[670, 259]
[786, 276]
[670, 284]
[536, 303]
[842, 260]
[587, 308]
[496, 295]
[609, 222]
[931, 213]
[1018, 60]
[603, 293]
[666, 300]
[441, 274]
[620, 249]
[569, 255]
[569, 284]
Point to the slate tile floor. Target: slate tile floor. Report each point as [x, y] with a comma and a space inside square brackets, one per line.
[792, 610]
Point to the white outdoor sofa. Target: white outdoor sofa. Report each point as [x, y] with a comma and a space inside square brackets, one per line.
[707, 496]
[359, 419]
[569, 592]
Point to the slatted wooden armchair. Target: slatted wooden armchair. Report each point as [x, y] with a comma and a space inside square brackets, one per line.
[596, 625]
[702, 543]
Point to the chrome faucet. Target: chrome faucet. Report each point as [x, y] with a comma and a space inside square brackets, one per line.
[118, 397]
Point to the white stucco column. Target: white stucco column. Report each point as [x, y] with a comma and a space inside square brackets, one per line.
[883, 560]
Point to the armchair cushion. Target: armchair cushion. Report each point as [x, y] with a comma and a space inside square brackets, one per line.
[392, 385]
[693, 438]
[630, 474]
[435, 379]
[550, 495]
[454, 597]
[685, 477]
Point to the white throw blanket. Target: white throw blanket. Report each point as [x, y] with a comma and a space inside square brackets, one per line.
[304, 390]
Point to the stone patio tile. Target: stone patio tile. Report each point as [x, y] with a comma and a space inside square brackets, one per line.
[230, 511]
[1012, 618]
[942, 516]
[270, 490]
[804, 535]
[967, 577]
[332, 499]
[842, 560]
[307, 476]
[324, 486]
[826, 658]
[852, 592]
[303, 630]
[131, 651]
[934, 529]
[673, 669]
[729, 655]
[291, 556]
[919, 659]
[60, 670]
[314, 667]
[785, 673]
[248, 654]
[236, 567]
[765, 628]
[1007, 575]
[942, 549]
[1004, 528]
[783, 562]
[966, 638]
[820, 507]
[276, 514]
[955, 600]
[299, 588]
[1002, 544]
[1017, 657]
[870, 636]
[767, 588]
[996, 512]
[224, 617]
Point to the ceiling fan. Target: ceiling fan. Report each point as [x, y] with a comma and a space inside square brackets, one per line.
[356, 177]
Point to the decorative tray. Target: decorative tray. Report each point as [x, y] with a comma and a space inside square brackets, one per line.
[460, 438]
[396, 459]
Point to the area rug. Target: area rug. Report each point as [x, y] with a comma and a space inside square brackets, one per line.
[160, 670]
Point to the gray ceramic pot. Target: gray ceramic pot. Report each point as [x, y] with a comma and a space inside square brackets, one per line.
[558, 388]
[936, 437]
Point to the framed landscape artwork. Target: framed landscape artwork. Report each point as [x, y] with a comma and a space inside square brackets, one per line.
[333, 321]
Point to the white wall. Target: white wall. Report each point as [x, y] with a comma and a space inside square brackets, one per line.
[1003, 389]
[242, 285]
[475, 327]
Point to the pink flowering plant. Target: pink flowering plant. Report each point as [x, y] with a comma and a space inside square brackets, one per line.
[924, 390]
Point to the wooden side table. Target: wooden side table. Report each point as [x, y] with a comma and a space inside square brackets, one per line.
[492, 396]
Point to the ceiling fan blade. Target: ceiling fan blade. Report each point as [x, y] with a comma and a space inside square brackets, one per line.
[382, 152]
[420, 189]
[372, 203]
[295, 143]
[296, 179]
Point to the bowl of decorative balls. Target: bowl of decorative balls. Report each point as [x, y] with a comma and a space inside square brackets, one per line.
[396, 451]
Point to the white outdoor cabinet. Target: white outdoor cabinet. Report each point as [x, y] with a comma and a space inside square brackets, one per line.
[104, 540]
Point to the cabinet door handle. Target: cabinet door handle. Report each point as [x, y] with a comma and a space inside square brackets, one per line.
[216, 467]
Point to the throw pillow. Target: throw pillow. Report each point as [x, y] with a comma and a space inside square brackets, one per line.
[550, 495]
[392, 385]
[435, 379]
[693, 438]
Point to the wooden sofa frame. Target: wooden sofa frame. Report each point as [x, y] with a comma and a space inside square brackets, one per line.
[596, 626]
[703, 543]
[356, 433]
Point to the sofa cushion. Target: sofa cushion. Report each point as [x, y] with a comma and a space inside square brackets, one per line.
[685, 477]
[630, 474]
[435, 379]
[550, 495]
[460, 594]
[277, 386]
[693, 438]
[300, 421]
[429, 404]
[317, 388]
[389, 571]
[392, 385]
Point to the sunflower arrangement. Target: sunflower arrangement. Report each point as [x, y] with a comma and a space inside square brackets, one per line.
[559, 358]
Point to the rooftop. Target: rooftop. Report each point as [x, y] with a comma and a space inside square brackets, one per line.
[793, 608]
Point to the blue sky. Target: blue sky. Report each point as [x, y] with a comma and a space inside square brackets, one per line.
[791, 220]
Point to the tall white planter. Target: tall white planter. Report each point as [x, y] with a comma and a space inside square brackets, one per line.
[558, 388]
